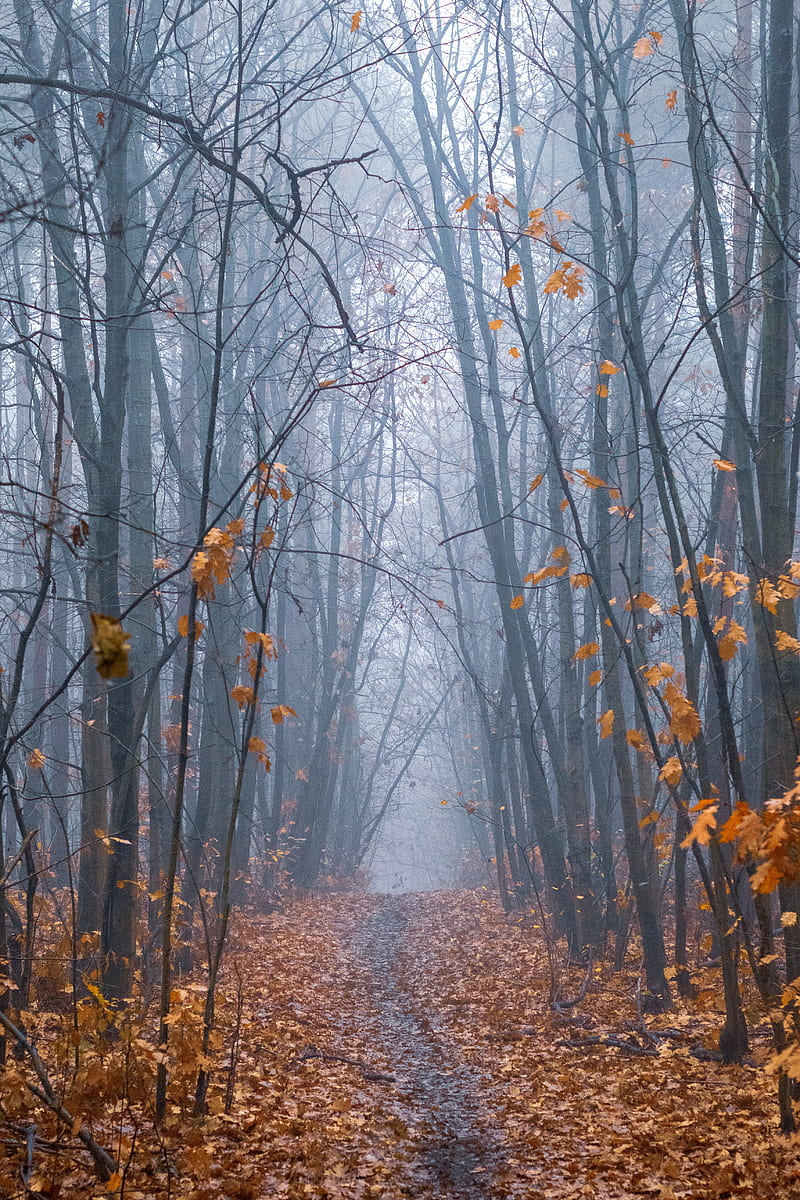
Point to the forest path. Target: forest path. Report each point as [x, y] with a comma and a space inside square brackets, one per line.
[404, 1048]
[441, 1093]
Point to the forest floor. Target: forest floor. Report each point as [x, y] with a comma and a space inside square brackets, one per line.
[406, 1046]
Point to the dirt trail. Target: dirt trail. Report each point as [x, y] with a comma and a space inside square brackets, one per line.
[436, 1091]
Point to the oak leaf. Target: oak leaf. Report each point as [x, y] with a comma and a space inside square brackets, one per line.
[512, 276]
[672, 772]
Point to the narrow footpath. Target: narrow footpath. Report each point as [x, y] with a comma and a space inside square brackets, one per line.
[437, 1091]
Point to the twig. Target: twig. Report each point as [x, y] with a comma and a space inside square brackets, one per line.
[104, 1163]
[559, 1006]
[366, 1070]
[603, 1040]
[642, 1024]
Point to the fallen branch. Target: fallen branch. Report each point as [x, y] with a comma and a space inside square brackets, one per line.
[601, 1040]
[559, 1006]
[367, 1071]
[104, 1163]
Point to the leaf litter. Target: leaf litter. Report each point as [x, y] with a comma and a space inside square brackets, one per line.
[394, 1047]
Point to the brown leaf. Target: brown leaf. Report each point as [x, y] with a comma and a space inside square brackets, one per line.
[110, 645]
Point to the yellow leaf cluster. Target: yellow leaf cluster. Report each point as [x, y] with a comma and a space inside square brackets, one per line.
[183, 626]
[36, 759]
[658, 673]
[642, 600]
[568, 278]
[279, 712]
[110, 645]
[645, 46]
[730, 635]
[212, 565]
[242, 695]
[784, 641]
[704, 824]
[561, 561]
[684, 721]
[767, 595]
[258, 746]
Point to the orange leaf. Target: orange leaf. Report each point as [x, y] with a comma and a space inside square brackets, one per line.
[517, 602]
[627, 139]
[242, 695]
[587, 650]
[672, 772]
[722, 464]
[607, 367]
[468, 203]
[512, 276]
[267, 538]
[518, 130]
[496, 323]
[581, 580]
[36, 759]
[594, 678]
[110, 645]
[280, 711]
[671, 102]
[491, 203]
[355, 21]
[183, 626]
[767, 596]
[643, 48]
[535, 482]
[606, 723]
[704, 825]
[514, 351]
[591, 481]
[642, 600]
[784, 641]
